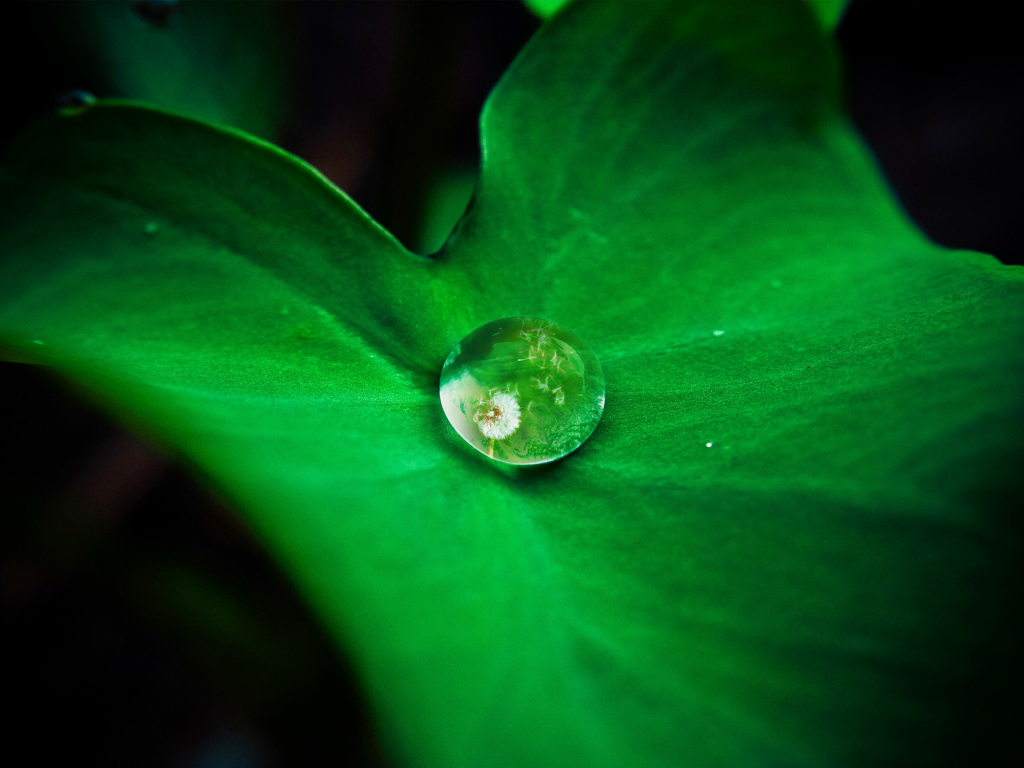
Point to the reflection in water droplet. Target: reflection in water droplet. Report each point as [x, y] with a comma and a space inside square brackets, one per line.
[152, 227]
[718, 333]
[709, 445]
[74, 102]
[523, 390]
[156, 12]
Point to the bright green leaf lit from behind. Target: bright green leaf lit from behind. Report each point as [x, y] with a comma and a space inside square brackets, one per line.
[523, 390]
[545, 9]
[829, 583]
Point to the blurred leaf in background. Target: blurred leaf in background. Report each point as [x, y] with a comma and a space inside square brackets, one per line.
[828, 11]
[224, 62]
[447, 199]
[545, 9]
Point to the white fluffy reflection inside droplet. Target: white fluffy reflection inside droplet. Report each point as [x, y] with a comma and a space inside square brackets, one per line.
[523, 390]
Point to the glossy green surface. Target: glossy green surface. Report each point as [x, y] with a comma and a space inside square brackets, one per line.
[830, 583]
[523, 390]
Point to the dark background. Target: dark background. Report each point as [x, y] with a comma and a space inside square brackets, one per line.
[141, 623]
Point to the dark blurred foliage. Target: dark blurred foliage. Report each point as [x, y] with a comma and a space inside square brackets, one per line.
[936, 90]
[141, 622]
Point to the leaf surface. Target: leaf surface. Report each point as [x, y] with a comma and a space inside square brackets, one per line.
[829, 12]
[790, 541]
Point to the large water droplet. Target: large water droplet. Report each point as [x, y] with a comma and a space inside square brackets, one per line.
[523, 390]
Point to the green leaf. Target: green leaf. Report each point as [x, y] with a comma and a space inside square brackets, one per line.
[829, 12]
[791, 541]
[10, 355]
[216, 61]
[545, 9]
[447, 198]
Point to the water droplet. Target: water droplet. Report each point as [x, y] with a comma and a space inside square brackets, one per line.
[709, 444]
[718, 333]
[152, 228]
[74, 102]
[38, 341]
[523, 390]
[156, 12]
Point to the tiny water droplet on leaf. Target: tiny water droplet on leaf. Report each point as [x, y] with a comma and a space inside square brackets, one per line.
[523, 390]
[74, 102]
